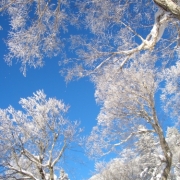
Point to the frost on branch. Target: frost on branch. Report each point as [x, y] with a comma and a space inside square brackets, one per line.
[33, 141]
[116, 169]
[171, 91]
[114, 29]
[35, 30]
[128, 112]
[143, 161]
[121, 30]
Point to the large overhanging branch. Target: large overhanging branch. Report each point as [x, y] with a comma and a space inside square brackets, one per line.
[169, 6]
[161, 19]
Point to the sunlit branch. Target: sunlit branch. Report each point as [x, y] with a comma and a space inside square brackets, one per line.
[60, 154]
[148, 43]
[128, 138]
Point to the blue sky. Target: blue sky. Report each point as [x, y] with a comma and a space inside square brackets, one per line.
[78, 94]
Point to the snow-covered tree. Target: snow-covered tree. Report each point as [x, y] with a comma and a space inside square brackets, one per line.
[125, 40]
[141, 161]
[129, 111]
[121, 29]
[117, 169]
[118, 29]
[34, 140]
[173, 139]
[35, 29]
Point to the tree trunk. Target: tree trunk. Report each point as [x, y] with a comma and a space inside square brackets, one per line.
[51, 173]
[41, 173]
[166, 151]
[164, 146]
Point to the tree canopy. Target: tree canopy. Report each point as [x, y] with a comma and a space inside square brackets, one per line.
[130, 51]
[33, 141]
[116, 31]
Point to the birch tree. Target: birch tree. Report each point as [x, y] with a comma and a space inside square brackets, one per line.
[33, 141]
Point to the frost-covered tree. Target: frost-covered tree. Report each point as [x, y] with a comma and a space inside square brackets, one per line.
[173, 139]
[121, 29]
[129, 111]
[35, 29]
[115, 30]
[117, 169]
[122, 34]
[129, 79]
[33, 141]
[140, 162]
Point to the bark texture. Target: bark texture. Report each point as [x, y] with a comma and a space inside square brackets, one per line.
[169, 6]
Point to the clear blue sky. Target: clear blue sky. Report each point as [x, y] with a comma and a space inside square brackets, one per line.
[78, 94]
